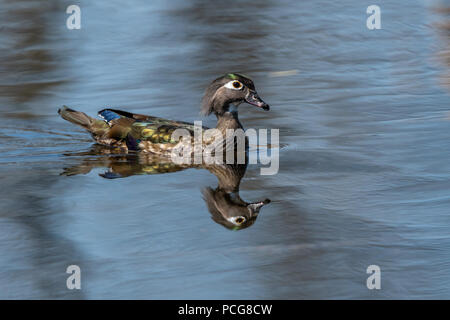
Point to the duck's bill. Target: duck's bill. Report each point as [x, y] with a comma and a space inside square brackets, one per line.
[255, 100]
[255, 206]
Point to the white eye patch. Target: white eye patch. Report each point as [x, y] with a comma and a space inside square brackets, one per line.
[234, 85]
[237, 221]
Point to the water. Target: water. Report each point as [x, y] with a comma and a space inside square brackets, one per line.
[364, 146]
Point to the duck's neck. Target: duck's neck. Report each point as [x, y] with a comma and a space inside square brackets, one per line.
[228, 119]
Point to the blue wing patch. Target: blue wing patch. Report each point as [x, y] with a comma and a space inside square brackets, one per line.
[108, 115]
[110, 175]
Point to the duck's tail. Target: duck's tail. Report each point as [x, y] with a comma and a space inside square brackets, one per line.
[76, 117]
[92, 125]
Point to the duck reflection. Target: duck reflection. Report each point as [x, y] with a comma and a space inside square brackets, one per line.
[224, 202]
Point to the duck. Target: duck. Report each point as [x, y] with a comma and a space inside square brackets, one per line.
[149, 134]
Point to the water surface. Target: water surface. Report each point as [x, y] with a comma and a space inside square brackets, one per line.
[364, 174]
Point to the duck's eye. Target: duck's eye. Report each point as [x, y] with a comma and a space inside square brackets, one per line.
[235, 85]
[240, 220]
[237, 220]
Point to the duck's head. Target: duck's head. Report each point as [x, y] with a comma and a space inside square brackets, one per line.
[232, 88]
[229, 210]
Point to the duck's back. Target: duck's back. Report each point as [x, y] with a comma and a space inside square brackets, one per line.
[129, 131]
[141, 132]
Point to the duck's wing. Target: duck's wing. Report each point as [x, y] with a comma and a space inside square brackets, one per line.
[113, 114]
[135, 128]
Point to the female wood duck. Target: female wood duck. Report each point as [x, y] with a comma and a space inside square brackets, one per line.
[138, 132]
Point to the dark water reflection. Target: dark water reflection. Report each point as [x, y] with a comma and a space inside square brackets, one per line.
[364, 171]
[224, 202]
